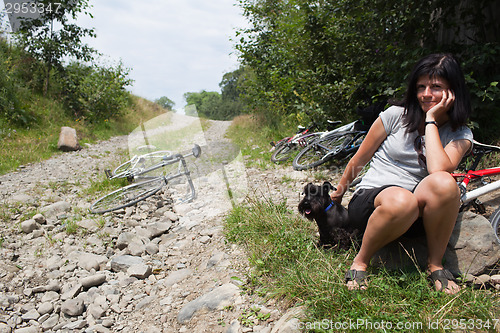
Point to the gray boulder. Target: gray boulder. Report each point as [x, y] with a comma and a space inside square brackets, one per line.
[68, 140]
[471, 249]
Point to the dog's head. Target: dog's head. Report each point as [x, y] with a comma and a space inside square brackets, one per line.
[316, 199]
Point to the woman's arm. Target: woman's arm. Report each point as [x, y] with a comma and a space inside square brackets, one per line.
[374, 138]
[437, 157]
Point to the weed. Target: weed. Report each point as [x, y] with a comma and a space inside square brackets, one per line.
[71, 227]
[286, 263]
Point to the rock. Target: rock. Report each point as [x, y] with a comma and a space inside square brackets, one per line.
[140, 271]
[40, 219]
[51, 322]
[471, 249]
[123, 263]
[289, 322]
[68, 140]
[159, 228]
[89, 261]
[44, 308]
[216, 299]
[30, 315]
[29, 226]
[472, 246]
[55, 209]
[73, 307]
[177, 276]
[93, 280]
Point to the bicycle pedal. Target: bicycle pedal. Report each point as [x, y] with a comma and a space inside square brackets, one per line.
[108, 173]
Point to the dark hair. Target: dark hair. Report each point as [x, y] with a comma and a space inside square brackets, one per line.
[446, 67]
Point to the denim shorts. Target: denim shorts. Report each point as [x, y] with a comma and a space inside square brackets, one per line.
[362, 206]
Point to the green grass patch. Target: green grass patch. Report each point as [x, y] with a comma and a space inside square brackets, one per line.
[253, 139]
[285, 263]
[21, 146]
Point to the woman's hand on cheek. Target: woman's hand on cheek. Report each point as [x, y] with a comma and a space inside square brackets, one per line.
[447, 100]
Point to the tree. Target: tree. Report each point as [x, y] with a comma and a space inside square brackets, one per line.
[327, 57]
[165, 102]
[38, 37]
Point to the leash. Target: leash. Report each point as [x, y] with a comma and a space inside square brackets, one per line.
[329, 206]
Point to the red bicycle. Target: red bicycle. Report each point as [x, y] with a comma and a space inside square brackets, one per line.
[484, 183]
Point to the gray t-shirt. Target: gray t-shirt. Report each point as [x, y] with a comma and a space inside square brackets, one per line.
[396, 160]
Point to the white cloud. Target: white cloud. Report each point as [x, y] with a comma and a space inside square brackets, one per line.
[172, 46]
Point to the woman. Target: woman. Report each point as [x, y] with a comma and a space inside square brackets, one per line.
[408, 188]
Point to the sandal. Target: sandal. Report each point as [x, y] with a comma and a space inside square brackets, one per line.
[443, 276]
[357, 276]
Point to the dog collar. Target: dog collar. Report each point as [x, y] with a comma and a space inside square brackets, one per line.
[329, 206]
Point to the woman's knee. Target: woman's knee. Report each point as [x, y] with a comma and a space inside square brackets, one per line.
[441, 185]
[398, 202]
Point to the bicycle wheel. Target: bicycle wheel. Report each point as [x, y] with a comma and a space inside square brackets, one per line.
[495, 223]
[320, 151]
[127, 196]
[285, 150]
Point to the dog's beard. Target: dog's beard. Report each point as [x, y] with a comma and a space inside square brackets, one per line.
[308, 209]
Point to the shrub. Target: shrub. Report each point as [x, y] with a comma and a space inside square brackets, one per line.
[96, 92]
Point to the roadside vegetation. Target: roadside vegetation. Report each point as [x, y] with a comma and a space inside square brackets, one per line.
[286, 264]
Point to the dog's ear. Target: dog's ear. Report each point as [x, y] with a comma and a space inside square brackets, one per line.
[307, 189]
[328, 187]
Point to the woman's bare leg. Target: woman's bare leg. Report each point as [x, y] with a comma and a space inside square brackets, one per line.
[439, 201]
[395, 211]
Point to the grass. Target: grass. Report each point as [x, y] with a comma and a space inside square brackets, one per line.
[21, 146]
[247, 132]
[286, 264]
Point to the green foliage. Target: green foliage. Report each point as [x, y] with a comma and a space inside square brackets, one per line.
[38, 37]
[336, 55]
[223, 106]
[96, 93]
[165, 102]
[11, 108]
[285, 262]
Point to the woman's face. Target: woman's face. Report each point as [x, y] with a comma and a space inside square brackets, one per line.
[430, 91]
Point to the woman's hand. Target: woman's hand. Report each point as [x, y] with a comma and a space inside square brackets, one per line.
[337, 195]
[440, 109]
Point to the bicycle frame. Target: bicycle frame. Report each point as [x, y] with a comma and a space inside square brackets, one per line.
[479, 151]
[475, 174]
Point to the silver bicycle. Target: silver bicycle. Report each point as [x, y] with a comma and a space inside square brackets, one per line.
[147, 184]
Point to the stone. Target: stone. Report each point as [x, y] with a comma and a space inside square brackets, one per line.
[40, 219]
[73, 307]
[31, 315]
[122, 263]
[56, 208]
[68, 140]
[140, 271]
[216, 299]
[93, 280]
[44, 308]
[471, 249]
[29, 226]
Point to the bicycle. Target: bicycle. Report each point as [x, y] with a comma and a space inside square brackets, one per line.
[137, 163]
[340, 143]
[330, 145]
[283, 149]
[469, 197]
[149, 185]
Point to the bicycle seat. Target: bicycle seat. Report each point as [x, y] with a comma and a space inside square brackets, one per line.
[332, 124]
[484, 148]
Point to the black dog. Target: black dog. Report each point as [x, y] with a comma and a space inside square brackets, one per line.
[331, 218]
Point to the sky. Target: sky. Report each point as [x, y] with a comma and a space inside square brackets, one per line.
[172, 46]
